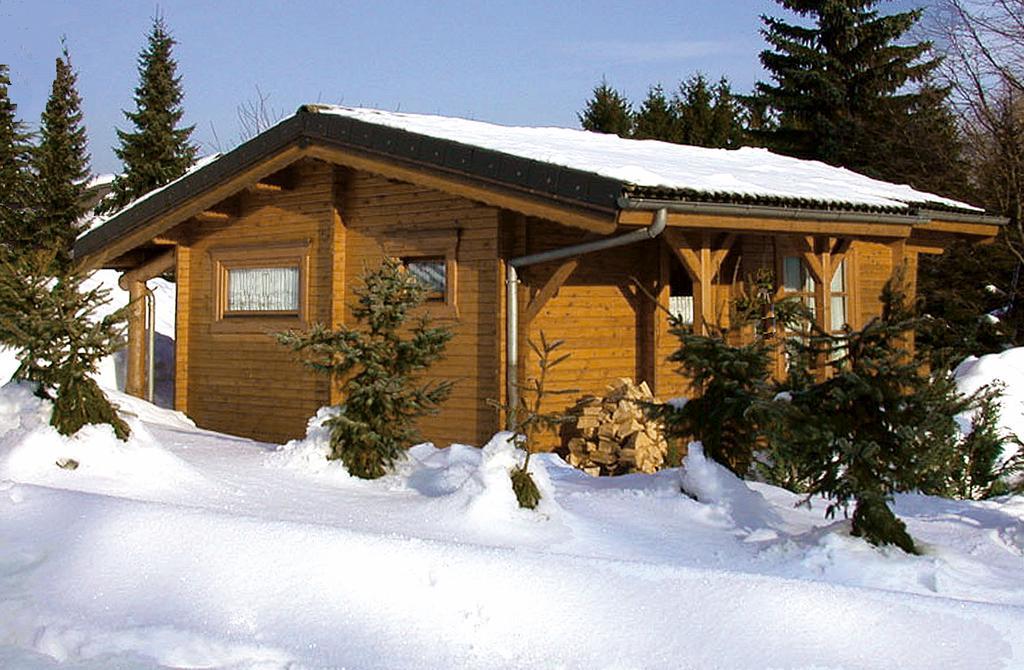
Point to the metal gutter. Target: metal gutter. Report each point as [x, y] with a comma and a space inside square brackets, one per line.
[512, 293]
[767, 211]
[962, 217]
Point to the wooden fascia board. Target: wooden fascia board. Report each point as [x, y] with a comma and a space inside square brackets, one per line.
[474, 189]
[959, 228]
[759, 225]
[190, 208]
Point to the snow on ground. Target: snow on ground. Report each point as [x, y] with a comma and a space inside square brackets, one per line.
[1005, 369]
[183, 548]
[189, 549]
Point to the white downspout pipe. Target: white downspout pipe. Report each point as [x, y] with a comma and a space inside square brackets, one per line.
[512, 293]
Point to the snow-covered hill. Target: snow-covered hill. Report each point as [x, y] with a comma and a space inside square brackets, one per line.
[189, 549]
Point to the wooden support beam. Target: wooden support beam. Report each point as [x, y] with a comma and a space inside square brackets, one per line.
[266, 187]
[702, 262]
[212, 216]
[135, 384]
[550, 288]
[151, 268]
[165, 241]
[840, 248]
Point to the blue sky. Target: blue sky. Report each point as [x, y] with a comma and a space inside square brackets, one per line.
[528, 63]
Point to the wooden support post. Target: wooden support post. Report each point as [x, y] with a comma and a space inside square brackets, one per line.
[701, 262]
[135, 384]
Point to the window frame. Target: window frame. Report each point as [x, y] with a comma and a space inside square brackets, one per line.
[431, 246]
[225, 259]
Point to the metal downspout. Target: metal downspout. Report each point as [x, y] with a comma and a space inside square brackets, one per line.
[150, 298]
[512, 292]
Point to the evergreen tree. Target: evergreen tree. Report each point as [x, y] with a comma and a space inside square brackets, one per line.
[15, 156]
[61, 165]
[972, 298]
[981, 469]
[656, 119]
[709, 116]
[920, 144]
[729, 381]
[158, 151]
[607, 112]
[876, 426]
[54, 324]
[838, 78]
[377, 362]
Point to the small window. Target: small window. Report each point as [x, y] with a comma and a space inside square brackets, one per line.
[430, 257]
[432, 273]
[260, 287]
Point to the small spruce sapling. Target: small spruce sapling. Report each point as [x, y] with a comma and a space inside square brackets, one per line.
[375, 364]
[877, 425]
[528, 418]
[53, 323]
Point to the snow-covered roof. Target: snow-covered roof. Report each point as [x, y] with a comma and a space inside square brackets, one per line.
[587, 170]
[728, 174]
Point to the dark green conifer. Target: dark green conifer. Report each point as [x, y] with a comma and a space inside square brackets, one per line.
[838, 77]
[607, 111]
[376, 364]
[876, 426]
[54, 324]
[15, 155]
[61, 165]
[656, 119]
[157, 151]
[709, 116]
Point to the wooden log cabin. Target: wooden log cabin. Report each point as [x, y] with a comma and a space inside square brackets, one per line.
[576, 228]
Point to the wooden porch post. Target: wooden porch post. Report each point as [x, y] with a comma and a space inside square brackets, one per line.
[701, 262]
[135, 384]
[134, 281]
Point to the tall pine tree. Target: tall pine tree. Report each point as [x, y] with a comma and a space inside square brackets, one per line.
[158, 151]
[709, 116]
[15, 222]
[61, 165]
[840, 79]
[657, 118]
[607, 112]
[45, 313]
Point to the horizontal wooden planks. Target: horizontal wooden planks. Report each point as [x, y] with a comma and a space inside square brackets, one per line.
[376, 209]
[248, 384]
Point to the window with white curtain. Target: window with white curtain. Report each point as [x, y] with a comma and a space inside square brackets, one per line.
[266, 289]
[260, 286]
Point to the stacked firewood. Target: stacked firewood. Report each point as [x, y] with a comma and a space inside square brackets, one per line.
[611, 435]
